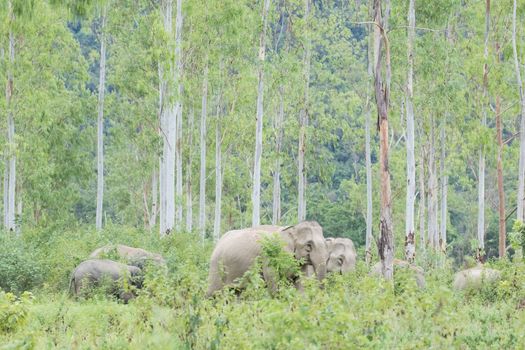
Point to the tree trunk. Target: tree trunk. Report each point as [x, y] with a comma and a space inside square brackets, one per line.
[10, 221]
[382, 93]
[154, 189]
[432, 186]
[100, 120]
[368, 158]
[202, 179]
[276, 217]
[189, 185]
[178, 132]
[256, 195]
[444, 189]
[501, 191]
[410, 246]
[422, 198]
[481, 172]
[168, 126]
[218, 173]
[303, 123]
[521, 177]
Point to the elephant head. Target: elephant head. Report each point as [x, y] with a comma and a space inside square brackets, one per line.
[341, 255]
[306, 241]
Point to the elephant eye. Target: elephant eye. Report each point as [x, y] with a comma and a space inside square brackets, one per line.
[309, 246]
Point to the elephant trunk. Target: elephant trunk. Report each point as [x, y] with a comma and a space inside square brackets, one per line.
[320, 270]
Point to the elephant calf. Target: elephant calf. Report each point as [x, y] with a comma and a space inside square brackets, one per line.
[419, 273]
[341, 255]
[237, 250]
[475, 277]
[134, 256]
[92, 272]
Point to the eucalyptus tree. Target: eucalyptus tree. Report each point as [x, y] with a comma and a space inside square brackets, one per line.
[382, 94]
[100, 118]
[481, 171]
[303, 120]
[410, 248]
[168, 119]
[521, 174]
[178, 127]
[256, 191]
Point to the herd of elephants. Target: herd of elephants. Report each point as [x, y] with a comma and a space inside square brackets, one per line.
[236, 252]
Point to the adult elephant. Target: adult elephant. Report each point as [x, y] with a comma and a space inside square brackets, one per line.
[134, 256]
[341, 255]
[94, 271]
[475, 278]
[236, 251]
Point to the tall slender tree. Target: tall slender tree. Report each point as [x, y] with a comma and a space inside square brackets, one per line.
[444, 191]
[256, 190]
[9, 193]
[218, 169]
[481, 171]
[501, 191]
[278, 125]
[410, 246]
[368, 122]
[189, 183]
[168, 129]
[178, 133]
[382, 94]
[100, 119]
[303, 120]
[202, 178]
[521, 175]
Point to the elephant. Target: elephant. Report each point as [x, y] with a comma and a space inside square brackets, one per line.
[341, 255]
[93, 271]
[475, 277]
[419, 273]
[134, 256]
[237, 250]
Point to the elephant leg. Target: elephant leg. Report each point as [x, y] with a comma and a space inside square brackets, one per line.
[269, 278]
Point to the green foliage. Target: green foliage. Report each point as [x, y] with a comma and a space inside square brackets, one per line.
[281, 264]
[20, 268]
[14, 310]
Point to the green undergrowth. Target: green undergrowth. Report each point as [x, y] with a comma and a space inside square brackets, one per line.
[350, 312]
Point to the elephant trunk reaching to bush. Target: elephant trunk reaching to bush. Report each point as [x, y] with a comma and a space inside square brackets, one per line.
[237, 250]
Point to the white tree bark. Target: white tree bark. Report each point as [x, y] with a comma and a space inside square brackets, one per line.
[410, 246]
[444, 189]
[481, 171]
[256, 194]
[422, 198]
[521, 176]
[218, 173]
[189, 185]
[202, 179]
[368, 158]
[10, 221]
[154, 196]
[100, 120]
[168, 126]
[279, 118]
[303, 122]
[178, 133]
[432, 187]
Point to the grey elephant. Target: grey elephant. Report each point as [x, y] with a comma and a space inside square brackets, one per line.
[419, 273]
[92, 272]
[475, 277]
[341, 255]
[236, 251]
[134, 256]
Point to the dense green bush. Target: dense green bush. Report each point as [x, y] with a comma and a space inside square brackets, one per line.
[351, 312]
[20, 268]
